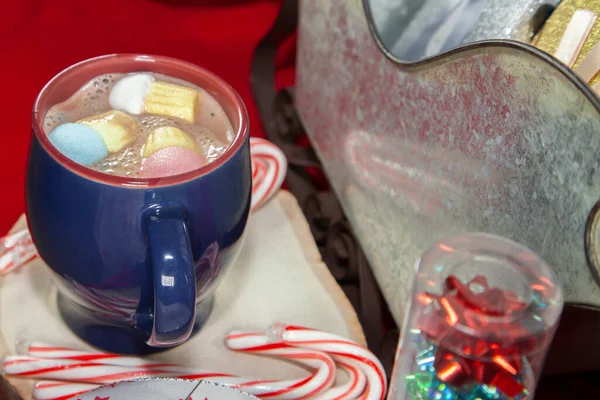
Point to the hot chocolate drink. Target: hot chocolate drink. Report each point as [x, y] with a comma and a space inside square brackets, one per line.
[139, 125]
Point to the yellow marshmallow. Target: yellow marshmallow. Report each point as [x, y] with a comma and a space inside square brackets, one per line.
[168, 136]
[172, 100]
[116, 129]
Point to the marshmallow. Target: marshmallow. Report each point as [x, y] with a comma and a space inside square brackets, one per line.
[171, 161]
[80, 143]
[129, 92]
[116, 128]
[172, 101]
[168, 136]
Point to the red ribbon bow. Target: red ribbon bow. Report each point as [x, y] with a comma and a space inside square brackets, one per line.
[472, 320]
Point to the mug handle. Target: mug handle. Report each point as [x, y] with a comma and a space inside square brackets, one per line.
[172, 264]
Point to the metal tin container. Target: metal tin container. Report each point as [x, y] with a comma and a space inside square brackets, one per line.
[494, 137]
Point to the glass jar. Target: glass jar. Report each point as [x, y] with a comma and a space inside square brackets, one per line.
[483, 313]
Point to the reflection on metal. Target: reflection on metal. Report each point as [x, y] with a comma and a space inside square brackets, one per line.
[336, 242]
[413, 30]
[592, 242]
[495, 137]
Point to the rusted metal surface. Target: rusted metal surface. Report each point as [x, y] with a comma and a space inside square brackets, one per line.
[494, 138]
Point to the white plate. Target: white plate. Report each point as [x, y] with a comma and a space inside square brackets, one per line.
[164, 389]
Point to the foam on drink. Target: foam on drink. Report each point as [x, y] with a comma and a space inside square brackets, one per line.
[211, 130]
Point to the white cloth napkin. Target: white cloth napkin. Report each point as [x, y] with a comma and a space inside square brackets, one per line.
[279, 277]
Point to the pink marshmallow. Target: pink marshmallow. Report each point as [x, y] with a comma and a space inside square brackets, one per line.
[171, 161]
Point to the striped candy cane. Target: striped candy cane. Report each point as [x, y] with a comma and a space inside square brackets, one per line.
[54, 390]
[342, 349]
[16, 249]
[76, 371]
[94, 372]
[13, 239]
[46, 351]
[269, 167]
[62, 363]
[57, 390]
[349, 390]
[66, 354]
[293, 389]
[100, 373]
[352, 389]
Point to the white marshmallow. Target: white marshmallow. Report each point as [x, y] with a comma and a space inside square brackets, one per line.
[129, 92]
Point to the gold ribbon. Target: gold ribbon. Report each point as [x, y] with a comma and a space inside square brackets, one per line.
[575, 35]
[571, 34]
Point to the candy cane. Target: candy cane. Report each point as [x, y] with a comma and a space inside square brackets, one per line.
[94, 372]
[350, 390]
[259, 170]
[341, 349]
[10, 240]
[93, 368]
[16, 249]
[54, 390]
[46, 351]
[64, 363]
[269, 169]
[293, 389]
[102, 373]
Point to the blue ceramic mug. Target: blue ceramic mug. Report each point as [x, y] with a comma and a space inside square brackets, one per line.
[136, 261]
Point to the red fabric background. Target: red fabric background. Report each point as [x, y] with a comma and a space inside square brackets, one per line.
[39, 38]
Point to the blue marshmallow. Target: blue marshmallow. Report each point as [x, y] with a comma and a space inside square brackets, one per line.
[80, 143]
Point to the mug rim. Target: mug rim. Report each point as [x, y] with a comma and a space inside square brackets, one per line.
[241, 133]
